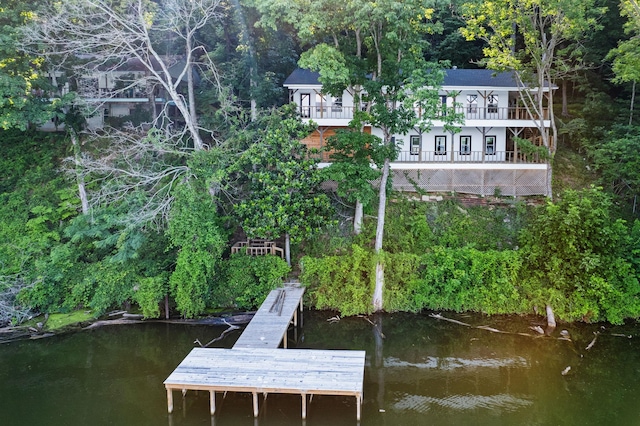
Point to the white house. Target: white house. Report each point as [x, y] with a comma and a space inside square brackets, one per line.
[112, 92]
[483, 158]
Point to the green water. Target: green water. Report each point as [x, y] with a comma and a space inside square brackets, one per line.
[423, 372]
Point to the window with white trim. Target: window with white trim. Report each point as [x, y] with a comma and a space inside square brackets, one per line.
[465, 145]
[441, 145]
[492, 104]
[490, 145]
[414, 145]
[472, 104]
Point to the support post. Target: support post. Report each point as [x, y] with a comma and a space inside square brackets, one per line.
[255, 404]
[212, 400]
[170, 400]
[358, 404]
[304, 406]
[301, 312]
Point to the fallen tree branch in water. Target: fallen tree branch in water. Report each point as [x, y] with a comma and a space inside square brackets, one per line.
[230, 328]
[487, 328]
[593, 342]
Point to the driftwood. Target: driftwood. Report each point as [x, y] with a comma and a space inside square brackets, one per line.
[593, 342]
[487, 328]
[224, 333]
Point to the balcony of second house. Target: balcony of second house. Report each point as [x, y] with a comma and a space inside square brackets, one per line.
[339, 115]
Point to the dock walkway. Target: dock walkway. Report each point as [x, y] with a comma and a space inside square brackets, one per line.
[256, 365]
[270, 324]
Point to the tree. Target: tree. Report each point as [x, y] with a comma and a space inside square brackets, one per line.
[93, 35]
[283, 196]
[525, 36]
[24, 92]
[352, 155]
[625, 55]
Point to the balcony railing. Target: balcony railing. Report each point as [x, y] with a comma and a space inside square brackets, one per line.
[489, 156]
[336, 112]
[470, 113]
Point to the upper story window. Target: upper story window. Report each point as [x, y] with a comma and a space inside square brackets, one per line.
[492, 104]
[337, 104]
[472, 104]
[443, 106]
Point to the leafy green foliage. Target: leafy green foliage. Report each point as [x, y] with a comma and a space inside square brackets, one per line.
[23, 91]
[247, 280]
[195, 229]
[352, 271]
[283, 185]
[573, 254]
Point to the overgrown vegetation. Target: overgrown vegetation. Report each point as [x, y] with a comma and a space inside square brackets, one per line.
[164, 206]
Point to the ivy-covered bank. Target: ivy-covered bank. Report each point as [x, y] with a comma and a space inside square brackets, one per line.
[575, 254]
[572, 255]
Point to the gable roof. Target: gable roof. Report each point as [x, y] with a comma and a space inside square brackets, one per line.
[453, 78]
[478, 78]
[301, 76]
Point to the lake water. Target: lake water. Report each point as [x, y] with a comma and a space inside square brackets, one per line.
[423, 372]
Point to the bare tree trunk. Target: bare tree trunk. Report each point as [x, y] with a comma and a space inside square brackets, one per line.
[357, 219]
[377, 293]
[253, 83]
[551, 319]
[166, 306]
[287, 248]
[633, 99]
[565, 103]
[82, 193]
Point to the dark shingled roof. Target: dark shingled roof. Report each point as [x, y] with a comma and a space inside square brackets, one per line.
[478, 77]
[453, 77]
[302, 76]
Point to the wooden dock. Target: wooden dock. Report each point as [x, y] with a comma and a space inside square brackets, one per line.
[269, 326]
[256, 365]
[263, 371]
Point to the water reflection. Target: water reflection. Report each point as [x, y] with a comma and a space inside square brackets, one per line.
[419, 371]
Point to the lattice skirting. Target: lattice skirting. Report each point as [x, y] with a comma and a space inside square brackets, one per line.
[479, 182]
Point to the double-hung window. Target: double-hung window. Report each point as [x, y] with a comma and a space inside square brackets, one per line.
[490, 145]
[441, 145]
[414, 145]
[465, 145]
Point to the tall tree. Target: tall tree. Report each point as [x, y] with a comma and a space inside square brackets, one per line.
[625, 56]
[284, 197]
[525, 36]
[24, 92]
[94, 35]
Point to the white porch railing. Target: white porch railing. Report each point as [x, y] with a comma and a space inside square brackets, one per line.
[470, 112]
[466, 157]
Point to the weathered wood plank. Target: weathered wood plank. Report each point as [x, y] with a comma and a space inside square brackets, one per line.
[304, 371]
[267, 329]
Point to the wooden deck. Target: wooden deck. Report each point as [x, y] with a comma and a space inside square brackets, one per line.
[269, 326]
[256, 365]
[293, 371]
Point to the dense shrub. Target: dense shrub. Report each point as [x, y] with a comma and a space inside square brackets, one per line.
[247, 280]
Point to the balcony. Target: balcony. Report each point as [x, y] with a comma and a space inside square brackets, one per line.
[470, 113]
[477, 157]
[456, 157]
